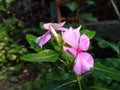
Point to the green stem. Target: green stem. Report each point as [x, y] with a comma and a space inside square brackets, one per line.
[64, 63]
[78, 79]
[64, 84]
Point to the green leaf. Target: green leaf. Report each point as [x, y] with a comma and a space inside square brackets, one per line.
[89, 33]
[90, 2]
[65, 84]
[72, 6]
[57, 80]
[88, 17]
[58, 76]
[110, 62]
[8, 1]
[42, 56]
[68, 57]
[61, 85]
[31, 40]
[13, 79]
[41, 25]
[106, 72]
[2, 8]
[3, 76]
[118, 45]
[98, 88]
[32, 30]
[114, 46]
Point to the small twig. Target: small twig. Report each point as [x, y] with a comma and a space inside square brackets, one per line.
[116, 9]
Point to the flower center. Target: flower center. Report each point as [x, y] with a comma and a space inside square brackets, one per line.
[78, 50]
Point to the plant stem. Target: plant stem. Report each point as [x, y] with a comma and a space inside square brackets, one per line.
[78, 79]
[64, 84]
[64, 63]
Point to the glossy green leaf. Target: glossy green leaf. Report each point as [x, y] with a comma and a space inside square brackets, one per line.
[89, 33]
[114, 46]
[31, 40]
[42, 56]
[106, 72]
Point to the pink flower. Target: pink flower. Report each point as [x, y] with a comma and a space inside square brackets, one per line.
[46, 37]
[79, 44]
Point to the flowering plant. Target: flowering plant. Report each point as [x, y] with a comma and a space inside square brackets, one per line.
[67, 49]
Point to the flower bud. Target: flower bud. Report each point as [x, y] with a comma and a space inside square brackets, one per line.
[53, 32]
[79, 27]
[56, 36]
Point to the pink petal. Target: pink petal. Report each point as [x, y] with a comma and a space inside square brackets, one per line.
[43, 39]
[84, 42]
[83, 63]
[62, 29]
[54, 25]
[47, 26]
[57, 25]
[71, 37]
[70, 50]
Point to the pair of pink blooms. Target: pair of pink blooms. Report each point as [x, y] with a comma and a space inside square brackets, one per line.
[79, 44]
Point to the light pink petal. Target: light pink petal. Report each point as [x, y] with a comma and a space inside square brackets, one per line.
[57, 25]
[62, 29]
[71, 37]
[84, 42]
[47, 26]
[83, 63]
[43, 39]
[70, 50]
[54, 25]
